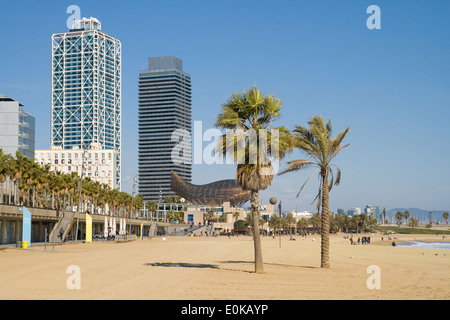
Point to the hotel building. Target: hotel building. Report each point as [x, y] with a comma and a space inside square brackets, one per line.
[95, 163]
[86, 92]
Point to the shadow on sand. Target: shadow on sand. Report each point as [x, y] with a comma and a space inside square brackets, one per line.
[182, 265]
[214, 266]
[269, 264]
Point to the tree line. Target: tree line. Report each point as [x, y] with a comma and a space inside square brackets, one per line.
[25, 182]
[290, 225]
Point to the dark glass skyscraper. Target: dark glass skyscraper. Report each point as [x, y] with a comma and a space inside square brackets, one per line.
[164, 122]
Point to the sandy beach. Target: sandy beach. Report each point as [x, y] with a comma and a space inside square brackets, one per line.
[205, 268]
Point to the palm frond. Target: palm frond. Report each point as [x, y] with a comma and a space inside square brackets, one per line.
[312, 174]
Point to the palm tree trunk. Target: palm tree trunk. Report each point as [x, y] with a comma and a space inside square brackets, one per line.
[256, 236]
[325, 242]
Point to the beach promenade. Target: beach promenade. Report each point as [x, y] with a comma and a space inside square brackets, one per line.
[207, 268]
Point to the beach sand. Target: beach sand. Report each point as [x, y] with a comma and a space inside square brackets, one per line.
[205, 268]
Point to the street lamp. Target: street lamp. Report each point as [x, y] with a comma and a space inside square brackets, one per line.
[273, 201]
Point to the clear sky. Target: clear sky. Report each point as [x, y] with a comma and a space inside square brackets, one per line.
[390, 86]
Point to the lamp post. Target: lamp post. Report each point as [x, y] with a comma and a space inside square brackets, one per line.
[132, 199]
[273, 201]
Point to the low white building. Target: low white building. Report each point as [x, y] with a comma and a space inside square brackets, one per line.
[99, 164]
[302, 214]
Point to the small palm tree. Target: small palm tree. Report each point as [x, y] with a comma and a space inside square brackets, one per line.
[236, 216]
[445, 216]
[321, 149]
[275, 223]
[249, 117]
[406, 216]
[302, 224]
[290, 220]
[399, 217]
[414, 222]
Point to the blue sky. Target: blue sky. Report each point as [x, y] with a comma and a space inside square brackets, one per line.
[390, 86]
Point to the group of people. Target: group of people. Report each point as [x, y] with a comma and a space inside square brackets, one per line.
[362, 240]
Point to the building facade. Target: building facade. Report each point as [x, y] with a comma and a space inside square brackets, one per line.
[17, 128]
[95, 163]
[164, 125]
[86, 90]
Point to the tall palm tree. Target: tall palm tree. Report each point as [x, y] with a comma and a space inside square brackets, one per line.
[321, 149]
[249, 117]
[406, 216]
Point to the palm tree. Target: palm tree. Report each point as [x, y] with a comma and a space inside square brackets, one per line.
[5, 164]
[275, 222]
[302, 224]
[152, 207]
[138, 204]
[315, 221]
[290, 220]
[406, 216]
[236, 215]
[414, 222]
[445, 216]
[321, 149]
[249, 116]
[399, 217]
[363, 220]
[248, 222]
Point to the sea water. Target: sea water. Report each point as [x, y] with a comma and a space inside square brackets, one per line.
[426, 245]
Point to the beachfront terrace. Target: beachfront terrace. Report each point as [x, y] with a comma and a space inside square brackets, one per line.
[11, 225]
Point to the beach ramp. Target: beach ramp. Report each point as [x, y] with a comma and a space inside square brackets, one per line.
[62, 228]
[152, 230]
[200, 230]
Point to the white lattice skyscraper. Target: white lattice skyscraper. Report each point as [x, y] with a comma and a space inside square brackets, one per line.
[86, 90]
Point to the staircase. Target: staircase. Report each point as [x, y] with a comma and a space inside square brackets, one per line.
[198, 230]
[65, 223]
